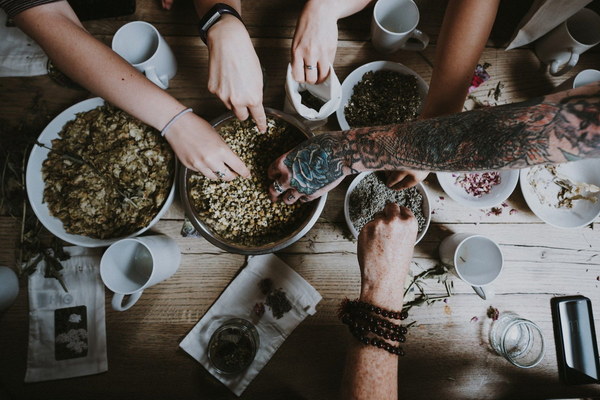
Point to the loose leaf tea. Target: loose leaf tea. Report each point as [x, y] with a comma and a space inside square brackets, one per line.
[371, 195]
[278, 302]
[383, 98]
[311, 101]
[240, 211]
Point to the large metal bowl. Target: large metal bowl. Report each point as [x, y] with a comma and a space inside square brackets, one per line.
[214, 238]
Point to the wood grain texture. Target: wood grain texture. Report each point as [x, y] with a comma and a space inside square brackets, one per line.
[448, 356]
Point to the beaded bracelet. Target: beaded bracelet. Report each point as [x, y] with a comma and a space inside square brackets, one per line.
[173, 120]
[362, 318]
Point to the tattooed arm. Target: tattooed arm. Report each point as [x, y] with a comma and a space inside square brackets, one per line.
[556, 128]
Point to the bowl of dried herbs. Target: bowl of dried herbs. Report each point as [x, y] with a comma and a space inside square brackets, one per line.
[238, 216]
[97, 175]
[381, 93]
[368, 194]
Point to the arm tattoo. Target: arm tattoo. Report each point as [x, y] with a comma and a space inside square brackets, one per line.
[315, 163]
[509, 136]
[554, 129]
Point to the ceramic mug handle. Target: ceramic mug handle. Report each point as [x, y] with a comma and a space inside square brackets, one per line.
[421, 37]
[150, 73]
[485, 292]
[117, 301]
[568, 66]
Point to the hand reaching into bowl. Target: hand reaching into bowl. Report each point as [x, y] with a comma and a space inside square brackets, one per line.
[551, 129]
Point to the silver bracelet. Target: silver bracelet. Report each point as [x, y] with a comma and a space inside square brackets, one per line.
[173, 120]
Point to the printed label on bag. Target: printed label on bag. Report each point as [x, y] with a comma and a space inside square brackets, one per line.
[70, 333]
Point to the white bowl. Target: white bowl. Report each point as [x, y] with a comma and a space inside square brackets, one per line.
[355, 76]
[420, 188]
[583, 212]
[35, 183]
[497, 194]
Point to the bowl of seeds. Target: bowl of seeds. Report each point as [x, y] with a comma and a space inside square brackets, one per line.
[238, 216]
[368, 194]
[97, 175]
[381, 93]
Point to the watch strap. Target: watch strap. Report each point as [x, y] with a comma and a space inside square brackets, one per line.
[212, 16]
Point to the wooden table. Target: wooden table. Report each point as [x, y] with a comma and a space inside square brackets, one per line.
[448, 355]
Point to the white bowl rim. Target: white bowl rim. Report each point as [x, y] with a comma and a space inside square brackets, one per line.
[375, 66]
[535, 206]
[33, 180]
[508, 185]
[420, 187]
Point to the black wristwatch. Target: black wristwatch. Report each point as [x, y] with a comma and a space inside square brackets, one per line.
[213, 15]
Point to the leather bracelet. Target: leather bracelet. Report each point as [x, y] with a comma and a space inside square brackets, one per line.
[212, 16]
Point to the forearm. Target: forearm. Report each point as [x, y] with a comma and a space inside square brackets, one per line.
[370, 374]
[465, 30]
[95, 66]
[557, 128]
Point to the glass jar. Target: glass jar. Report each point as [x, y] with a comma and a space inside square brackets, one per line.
[518, 340]
[233, 345]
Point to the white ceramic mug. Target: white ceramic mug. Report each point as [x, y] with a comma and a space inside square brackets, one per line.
[394, 22]
[140, 44]
[581, 79]
[475, 259]
[9, 287]
[131, 265]
[563, 45]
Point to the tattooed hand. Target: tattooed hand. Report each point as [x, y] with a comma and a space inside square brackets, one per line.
[310, 170]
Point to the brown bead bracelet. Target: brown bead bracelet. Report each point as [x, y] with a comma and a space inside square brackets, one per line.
[363, 318]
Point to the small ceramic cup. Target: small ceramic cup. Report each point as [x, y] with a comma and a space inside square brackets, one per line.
[393, 24]
[560, 48]
[475, 259]
[140, 44]
[131, 265]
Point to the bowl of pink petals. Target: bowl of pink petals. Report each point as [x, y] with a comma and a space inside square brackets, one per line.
[479, 189]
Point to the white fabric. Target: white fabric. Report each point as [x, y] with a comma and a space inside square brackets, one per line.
[330, 91]
[542, 17]
[19, 54]
[46, 295]
[238, 300]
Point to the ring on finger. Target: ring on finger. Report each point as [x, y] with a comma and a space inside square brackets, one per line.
[277, 186]
[291, 197]
[219, 174]
[309, 67]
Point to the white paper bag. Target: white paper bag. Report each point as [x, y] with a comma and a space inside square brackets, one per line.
[330, 91]
[542, 17]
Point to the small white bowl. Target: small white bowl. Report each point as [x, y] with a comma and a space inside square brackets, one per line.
[355, 76]
[497, 194]
[35, 183]
[420, 188]
[583, 212]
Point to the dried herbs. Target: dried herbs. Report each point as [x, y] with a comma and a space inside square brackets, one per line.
[383, 98]
[241, 211]
[311, 101]
[477, 184]
[108, 174]
[371, 195]
[276, 300]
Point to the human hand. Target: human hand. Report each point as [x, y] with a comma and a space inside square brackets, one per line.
[404, 179]
[315, 42]
[200, 148]
[385, 248]
[309, 170]
[234, 74]
[167, 4]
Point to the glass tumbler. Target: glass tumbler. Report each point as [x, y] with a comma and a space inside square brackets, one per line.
[233, 346]
[518, 340]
